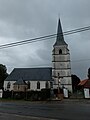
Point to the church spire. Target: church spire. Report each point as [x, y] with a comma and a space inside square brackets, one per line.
[59, 38]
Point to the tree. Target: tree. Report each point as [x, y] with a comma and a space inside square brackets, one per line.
[89, 73]
[3, 75]
[75, 82]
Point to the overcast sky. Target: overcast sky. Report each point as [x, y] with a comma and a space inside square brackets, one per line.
[25, 19]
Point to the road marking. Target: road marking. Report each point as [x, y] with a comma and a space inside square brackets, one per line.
[28, 117]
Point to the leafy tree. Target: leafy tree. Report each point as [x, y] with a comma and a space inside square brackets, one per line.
[3, 75]
[89, 73]
[75, 82]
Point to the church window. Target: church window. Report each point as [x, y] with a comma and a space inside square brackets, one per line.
[60, 51]
[47, 85]
[51, 84]
[8, 85]
[38, 85]
[28, 84]
[18, 87]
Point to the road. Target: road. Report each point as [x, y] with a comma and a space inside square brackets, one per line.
[24, 110]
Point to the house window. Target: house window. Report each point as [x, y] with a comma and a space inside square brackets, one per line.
[47, 85]
[28, 85]
[60, 51]
[8, 85]
[38, 85]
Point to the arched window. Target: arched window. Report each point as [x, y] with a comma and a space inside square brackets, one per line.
[18, 87]
[47, 85]
[28, 85]
[8, 85]
[60, 51]
[38, 85]
[51, 84]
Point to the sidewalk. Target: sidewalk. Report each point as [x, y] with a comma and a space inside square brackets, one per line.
[76, 100]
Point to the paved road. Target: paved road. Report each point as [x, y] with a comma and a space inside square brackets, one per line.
[44, 111]
[7, 116]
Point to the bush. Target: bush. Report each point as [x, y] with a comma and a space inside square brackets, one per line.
[7, 94]
[45, 94]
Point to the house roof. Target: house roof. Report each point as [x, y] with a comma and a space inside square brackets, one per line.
[85, 83]
[82, 82]
[30, 74]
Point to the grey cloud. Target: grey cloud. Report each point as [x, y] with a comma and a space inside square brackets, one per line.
[44, 54]
[25, 19]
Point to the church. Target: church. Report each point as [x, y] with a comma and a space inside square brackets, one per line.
[57, 76]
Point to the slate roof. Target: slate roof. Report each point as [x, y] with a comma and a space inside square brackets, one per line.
[60, 38]
[20, 82]
[30, 74]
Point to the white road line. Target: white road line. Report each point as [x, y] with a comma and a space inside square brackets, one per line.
[30, 117]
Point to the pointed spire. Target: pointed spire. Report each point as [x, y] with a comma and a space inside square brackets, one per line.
[59, 31]
[60, 38]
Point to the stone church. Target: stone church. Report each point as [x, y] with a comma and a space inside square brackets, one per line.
[61, 69]
[59, 75]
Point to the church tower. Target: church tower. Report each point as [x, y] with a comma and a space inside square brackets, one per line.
[61, 70]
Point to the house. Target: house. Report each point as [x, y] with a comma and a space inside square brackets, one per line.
[84, 84]
[37, 78]
[33, 78]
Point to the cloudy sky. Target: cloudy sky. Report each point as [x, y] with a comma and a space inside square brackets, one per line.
[26, 19]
